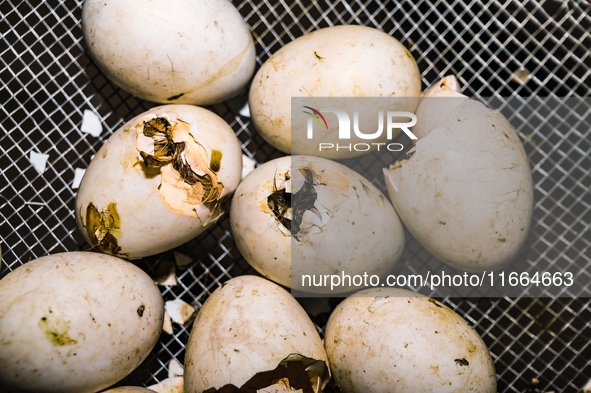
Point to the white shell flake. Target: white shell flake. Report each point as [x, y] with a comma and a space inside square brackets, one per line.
[169, 385]
[39, 161]
[167, 325]
[175, 369]
[91, 124]
[179, 311]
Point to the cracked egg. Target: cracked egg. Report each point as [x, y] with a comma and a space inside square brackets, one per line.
[76, 322]
[180, 52]
[384, 340]
[322, 218]
[465, 192]
[158, 181]
[253, 336]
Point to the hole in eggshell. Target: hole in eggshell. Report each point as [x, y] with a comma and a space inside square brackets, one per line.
[295, 373]
[289, 208]
[102, 228]
[188, 176]
[279, 202]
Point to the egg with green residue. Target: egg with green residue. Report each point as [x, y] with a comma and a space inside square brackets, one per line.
[172, 52]
[76, 322]
[159, 181]
[386, 340]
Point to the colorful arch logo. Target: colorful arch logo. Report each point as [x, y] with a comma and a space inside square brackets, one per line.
[316, 115]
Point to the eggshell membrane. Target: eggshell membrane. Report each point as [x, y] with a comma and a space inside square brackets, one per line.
[391, 340]
[340, 61]
[466, 194]
[363, 233]
[148, 224]
[247, 326]
[92, 335]
[201, 50]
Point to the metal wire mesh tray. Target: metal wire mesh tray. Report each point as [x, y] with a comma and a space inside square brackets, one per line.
[496, 48]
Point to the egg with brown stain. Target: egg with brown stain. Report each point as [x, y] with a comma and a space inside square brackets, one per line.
[158, 181]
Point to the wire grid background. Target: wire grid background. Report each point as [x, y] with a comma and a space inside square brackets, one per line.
[496, 49]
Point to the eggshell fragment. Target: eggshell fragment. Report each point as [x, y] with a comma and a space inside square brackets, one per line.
[436, 104]
[39, 161]
[182, 260]
[390, 340]
[169, 385]
[246, 329]
[179, 311]
[91, 124]
[175, 369]
[166, 273]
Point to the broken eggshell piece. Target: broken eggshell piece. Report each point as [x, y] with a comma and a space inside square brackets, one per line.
[384, 340]
[466, 192]
[251, 333]
[169, 385]
[159, 181]
[308, 221]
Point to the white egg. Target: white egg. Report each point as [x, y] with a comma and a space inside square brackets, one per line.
[251, 333]
[340, 61]
[76, 322]
[159, 181]
[390, 340]
[180, 52]
[129, 389]
[466, 192]
[351, 227]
